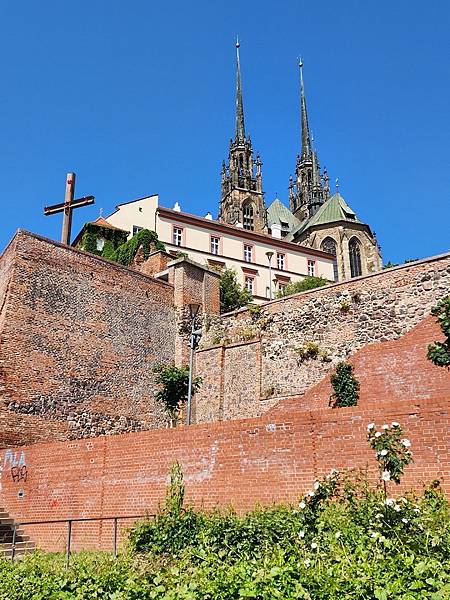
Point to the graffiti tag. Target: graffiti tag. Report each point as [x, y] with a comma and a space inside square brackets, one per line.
[19, 473]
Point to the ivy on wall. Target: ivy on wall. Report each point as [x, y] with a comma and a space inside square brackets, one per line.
[439, 352]
[116, 246]
[92, 232]
[345, 386]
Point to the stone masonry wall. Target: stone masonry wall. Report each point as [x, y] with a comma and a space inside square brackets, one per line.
[79, 338]
[259, 362]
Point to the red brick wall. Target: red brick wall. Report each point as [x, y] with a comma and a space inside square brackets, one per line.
[388, 371]
[235, 462]
[79, 337]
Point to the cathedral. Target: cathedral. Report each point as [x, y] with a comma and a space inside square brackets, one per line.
[315, 217]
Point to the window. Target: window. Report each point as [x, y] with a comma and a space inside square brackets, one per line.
[281, 261]
[329, 245]
[311, 268]
[215, 245]
[248, 253]
[355, 258]
[281, 286]
[248, 216]
[137, 229]
[177, 236]
[250, 284]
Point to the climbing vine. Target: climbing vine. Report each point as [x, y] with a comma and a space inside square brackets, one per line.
[145, 239]
[439, 352]
[92, 232]
[345, 386]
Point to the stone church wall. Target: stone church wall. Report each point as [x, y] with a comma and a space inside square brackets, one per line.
[251, 360]
[79, 338]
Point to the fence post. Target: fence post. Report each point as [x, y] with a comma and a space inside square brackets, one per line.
[13, 547]
[69, 535]
[115, 537]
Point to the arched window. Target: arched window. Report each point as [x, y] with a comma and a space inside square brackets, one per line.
[329, 245]
[248, 216]
[354, 252]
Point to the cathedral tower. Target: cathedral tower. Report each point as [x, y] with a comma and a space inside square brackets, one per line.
[307, 193]
[242, 198]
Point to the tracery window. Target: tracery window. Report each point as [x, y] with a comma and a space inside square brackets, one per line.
[354, 252]
[248, 216]
[329, 245]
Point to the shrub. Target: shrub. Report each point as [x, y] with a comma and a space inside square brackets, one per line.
[232, 295]
[174, 382]
[308, 283]
[311, 350]
[439, 352]
[345, 386]
[145, 239]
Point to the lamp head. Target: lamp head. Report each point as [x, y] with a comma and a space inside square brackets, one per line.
[193, 309]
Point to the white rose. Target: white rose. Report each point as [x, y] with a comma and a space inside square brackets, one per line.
[406, 443]
[337, 535]
[311, 493]
[370, 426]
[395, 424]
[314, 545]
[405, 520]
[378, 434]
[316, 485]
[389, 501]
[307, 562]
[301, 534]
[385, 426]
[302, 504]
[386, 476]
[383, 452]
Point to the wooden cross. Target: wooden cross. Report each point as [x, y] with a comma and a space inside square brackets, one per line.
[67, 207]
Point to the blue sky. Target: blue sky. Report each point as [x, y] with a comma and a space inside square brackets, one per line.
[138, 98]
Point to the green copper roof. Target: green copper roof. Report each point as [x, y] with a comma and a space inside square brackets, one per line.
[334, 209]
[280, 214]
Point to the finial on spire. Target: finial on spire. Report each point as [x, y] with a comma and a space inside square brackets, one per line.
[240, 127]
[337, 184]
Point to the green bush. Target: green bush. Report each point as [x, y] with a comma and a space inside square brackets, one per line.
[345, 386]
[173, 387]
[308, 283]
[439, 352]
[232, 295]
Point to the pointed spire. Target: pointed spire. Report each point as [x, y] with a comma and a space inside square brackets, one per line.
[306, 136]
[240, 128]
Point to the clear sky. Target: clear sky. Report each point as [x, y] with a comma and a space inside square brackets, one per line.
[137, 98]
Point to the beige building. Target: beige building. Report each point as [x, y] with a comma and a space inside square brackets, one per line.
[264, 263]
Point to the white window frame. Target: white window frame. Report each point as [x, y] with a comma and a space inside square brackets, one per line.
[281, 261]
[311, 267]
[215, 245]
[249, 279]
[248, 253]
[177, 236]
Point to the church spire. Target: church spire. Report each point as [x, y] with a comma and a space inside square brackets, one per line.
[240, 127]
[306, 136]
[306, 195]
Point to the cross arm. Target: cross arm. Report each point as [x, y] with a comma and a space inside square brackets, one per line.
[57, 208]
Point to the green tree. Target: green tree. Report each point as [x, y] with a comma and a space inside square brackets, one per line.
[308, 283]
[174, 385]
[232, 295]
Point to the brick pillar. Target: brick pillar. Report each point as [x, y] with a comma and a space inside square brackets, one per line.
[192, 283]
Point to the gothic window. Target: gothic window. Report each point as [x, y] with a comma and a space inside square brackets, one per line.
[329, 245]
[355, 257]
[248, 216]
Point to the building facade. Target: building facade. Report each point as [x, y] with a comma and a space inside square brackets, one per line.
[264, 264]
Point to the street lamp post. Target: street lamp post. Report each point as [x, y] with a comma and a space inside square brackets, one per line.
[194, 339]
[269, 257]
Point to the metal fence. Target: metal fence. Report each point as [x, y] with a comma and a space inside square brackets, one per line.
[115, 521]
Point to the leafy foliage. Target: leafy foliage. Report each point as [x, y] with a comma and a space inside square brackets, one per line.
[145, 239]
[92, 232]
[345, 386]
[174, 382]
[232, 295]
[311, 350]
[308, 283]
[342, 540]
[392, 450]
[439, 352]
